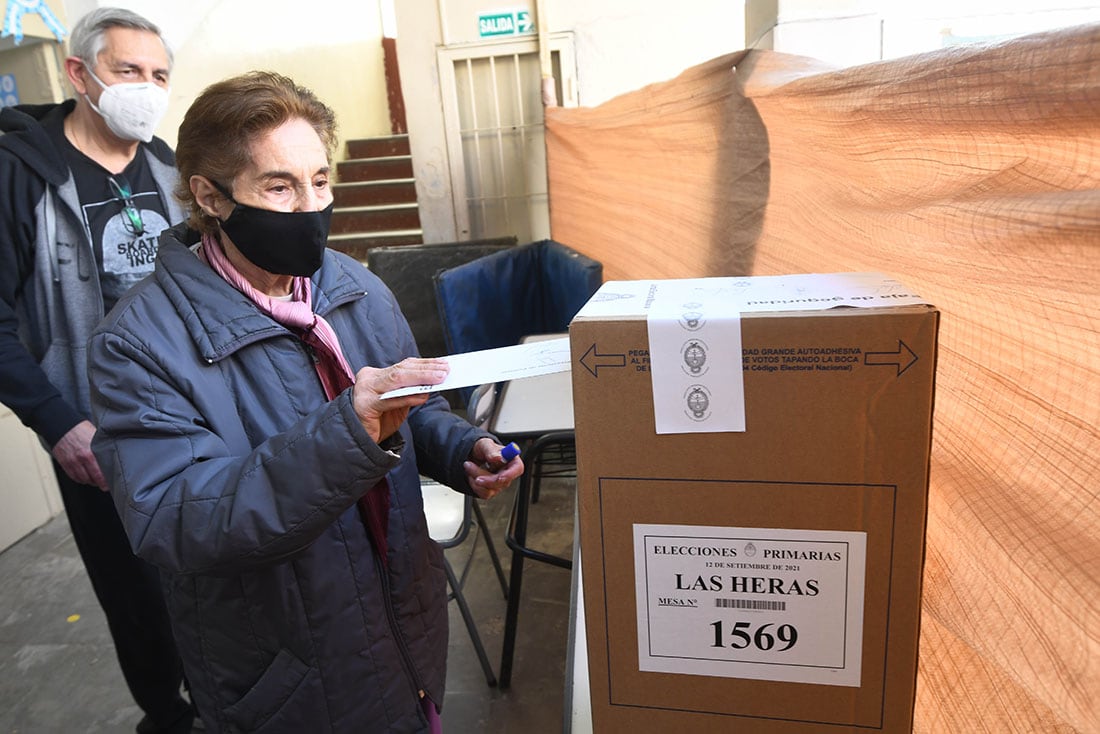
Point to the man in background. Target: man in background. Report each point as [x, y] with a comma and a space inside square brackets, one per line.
[85, 190]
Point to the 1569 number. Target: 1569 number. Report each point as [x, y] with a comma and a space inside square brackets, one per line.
[742, 636]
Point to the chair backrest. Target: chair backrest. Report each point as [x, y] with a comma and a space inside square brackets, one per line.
[480, 405]
[408, 269]
[496, 300]
[447, 512]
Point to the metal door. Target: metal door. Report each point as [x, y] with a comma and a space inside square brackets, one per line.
[493, 117]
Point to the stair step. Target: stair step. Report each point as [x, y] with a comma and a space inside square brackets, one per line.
[367, 193]
[375, 218]
[374, 169]
[357, 244]
[375, 198]
[378, 147]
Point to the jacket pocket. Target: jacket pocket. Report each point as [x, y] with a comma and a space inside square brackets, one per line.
[275, 688]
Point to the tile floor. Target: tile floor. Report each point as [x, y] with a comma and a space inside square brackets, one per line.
[58, 673]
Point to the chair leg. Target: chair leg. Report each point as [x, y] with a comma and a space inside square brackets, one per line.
[511, 618]
[536, 482]
[517, 539]
[471, 627]
[560, 460]
[491, 546]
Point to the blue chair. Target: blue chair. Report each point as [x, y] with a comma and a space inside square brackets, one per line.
[408, 269]
[495, 301]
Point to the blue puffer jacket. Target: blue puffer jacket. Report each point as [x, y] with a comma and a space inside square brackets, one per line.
[234, 475]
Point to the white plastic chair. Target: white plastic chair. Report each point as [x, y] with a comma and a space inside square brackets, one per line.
[450, 515]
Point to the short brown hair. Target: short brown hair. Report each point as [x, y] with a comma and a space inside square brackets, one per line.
[222, 123]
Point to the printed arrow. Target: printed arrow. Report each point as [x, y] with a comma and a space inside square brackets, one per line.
[903, 358]
[523, 22]
[593, 360]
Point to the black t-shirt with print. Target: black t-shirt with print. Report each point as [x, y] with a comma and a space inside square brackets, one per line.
[123, 255]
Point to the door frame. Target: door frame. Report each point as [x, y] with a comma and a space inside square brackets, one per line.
[446, 56]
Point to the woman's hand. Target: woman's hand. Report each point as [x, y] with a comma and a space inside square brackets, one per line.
[382, 418]
[486, 471]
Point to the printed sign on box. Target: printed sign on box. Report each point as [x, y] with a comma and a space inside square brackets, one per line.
[767, 604]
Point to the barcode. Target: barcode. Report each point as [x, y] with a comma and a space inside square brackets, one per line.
[768, 606]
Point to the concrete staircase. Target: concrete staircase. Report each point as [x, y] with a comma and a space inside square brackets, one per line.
[375, 197]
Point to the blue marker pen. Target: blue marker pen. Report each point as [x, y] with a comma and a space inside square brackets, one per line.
[509, 452]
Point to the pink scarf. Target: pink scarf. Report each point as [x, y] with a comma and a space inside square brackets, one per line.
[297, 313]
[331, 365]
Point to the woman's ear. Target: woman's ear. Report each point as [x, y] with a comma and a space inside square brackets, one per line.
[206, 195]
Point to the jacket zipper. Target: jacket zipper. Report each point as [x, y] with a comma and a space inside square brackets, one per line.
[311, 352]
[391, 617]
[383, 573]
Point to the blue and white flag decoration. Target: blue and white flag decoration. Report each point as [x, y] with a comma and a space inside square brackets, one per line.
[13, 19]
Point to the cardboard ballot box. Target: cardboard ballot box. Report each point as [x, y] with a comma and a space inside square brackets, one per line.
[752, 462]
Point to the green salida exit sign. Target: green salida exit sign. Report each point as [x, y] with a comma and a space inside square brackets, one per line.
[504, 23]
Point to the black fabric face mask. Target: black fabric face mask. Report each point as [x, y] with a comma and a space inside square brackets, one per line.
[283, 243]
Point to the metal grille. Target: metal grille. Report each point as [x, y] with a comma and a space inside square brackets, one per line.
[496, 135]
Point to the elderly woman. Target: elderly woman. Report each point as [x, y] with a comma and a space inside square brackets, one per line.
[241, 429]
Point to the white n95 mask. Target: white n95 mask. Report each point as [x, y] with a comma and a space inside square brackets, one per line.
[132, 110]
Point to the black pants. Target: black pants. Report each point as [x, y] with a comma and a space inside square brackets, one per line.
[129, 592]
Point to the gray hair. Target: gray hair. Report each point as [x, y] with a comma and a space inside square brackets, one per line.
[87, 41]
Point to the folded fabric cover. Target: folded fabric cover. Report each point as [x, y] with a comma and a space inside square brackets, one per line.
[973, 175]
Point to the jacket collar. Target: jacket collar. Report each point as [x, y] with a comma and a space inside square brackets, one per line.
[25, 135]
[219, 318]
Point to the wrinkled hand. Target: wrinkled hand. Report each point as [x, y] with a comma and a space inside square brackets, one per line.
[486, 471]
[382, 418]
[74, 453]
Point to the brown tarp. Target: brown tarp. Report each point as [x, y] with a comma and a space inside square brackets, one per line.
[973, 175]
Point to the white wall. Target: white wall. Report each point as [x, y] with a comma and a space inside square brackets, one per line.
[917, 27]
[840, 32]
[623, 45]
[620, 46]
[850, 32]
[333, 47]
[28, 489]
